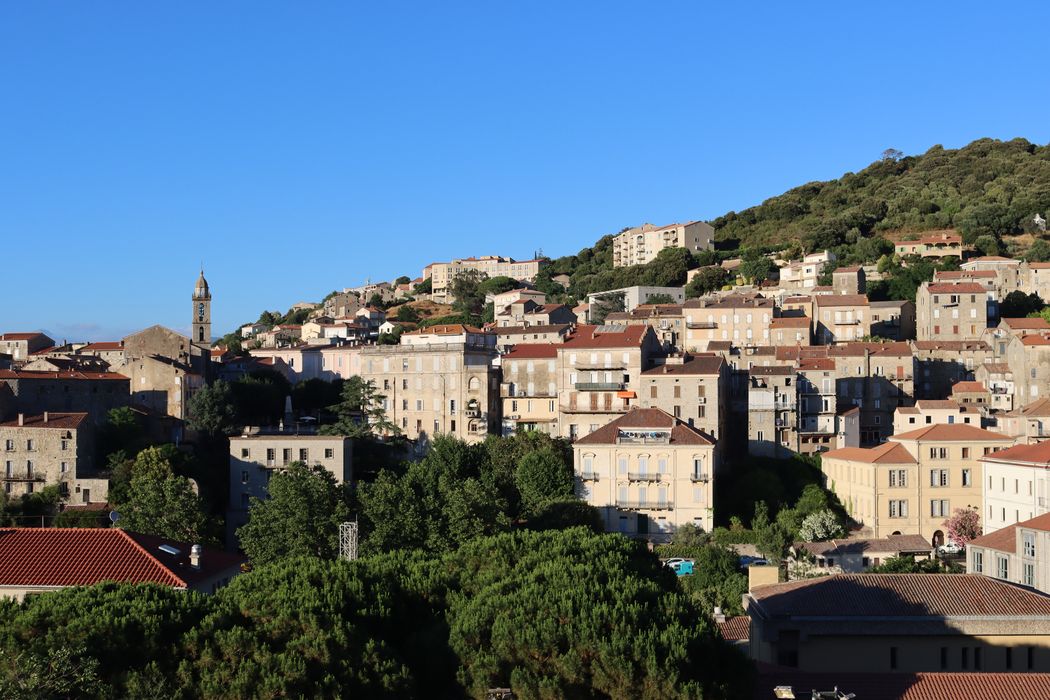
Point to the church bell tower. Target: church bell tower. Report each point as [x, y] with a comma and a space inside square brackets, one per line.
[201, 333]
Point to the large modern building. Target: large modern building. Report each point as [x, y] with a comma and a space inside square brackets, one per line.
[641, 244]
[441, 274]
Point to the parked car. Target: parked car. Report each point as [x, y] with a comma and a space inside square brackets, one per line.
[683, 567]
[676, 560]
[950, 547]
[746, 561]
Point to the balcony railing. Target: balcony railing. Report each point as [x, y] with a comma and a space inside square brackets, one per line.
[702, 325]
[589, 476]
[472, 413]
[598, 366]
[23, 476]
[699, 478]
[645, 505]
[658, 439]
[592, 409]
[599, 386]
[644, 476]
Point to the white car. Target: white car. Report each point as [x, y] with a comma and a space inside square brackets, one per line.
[676, 560]
[950, 548]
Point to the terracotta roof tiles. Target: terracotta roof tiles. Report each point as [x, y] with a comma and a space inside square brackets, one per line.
[956, 288]
[60, 421]
[952, 433]
[681, 433]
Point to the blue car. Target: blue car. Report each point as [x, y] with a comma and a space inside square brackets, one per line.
[682, 568]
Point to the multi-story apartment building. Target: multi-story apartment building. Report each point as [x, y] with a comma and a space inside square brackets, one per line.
[437, 388]
[999, 379]
[1016, 553]
[893, 320]
[648, 473]
[441, 274]
[823, 424]
[692, 389]
[841, 318]
[942, 363]
[21, 345]
[509, 336]
[529, 390]
[952, 311]
[1026, 424]
[849, 280]
[1036, 278]
[255, 457]
[772, 411]
[641, 244]
[1029, 360]
[600, 370]
[877, 378]
[934, 412]
[738, 319]
[790, 330]
[1016, 485]
[51, 449]
[94, 393]
[911, 484]
[804, 274]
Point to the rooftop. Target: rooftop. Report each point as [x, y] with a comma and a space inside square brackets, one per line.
[64, 421]
[707, 364]
[892, 543]
[955, 288]
[602, 337]
[1035, 454]
[968, 387]
[842, 300]
[906, 686]
[26, 374]
[957, 432]
[647, 418]
[1005, 539]
[886, 453]
[735, 629]
[526, 351]
[85, 556]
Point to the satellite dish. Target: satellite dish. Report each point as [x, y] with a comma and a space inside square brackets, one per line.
[114, 516]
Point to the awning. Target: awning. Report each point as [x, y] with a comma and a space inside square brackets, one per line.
[626, 395]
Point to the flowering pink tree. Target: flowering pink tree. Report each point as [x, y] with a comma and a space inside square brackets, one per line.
[963, 526]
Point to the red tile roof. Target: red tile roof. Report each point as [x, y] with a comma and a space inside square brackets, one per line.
[852, 268]
[83, 556]
[842, 300]
[1036, 454]
[63, 421]
[1035, 340]
[900, 595]
[106, 345]
[532, 351]
[906, 686]
[968, 387]
[590, 337]
[20, 336]
[449, 329]
[956, 288]
[681, 433]
[1003, 540]
[952, 433]
[707, 364]
[954, 345]
[886, 453]
[27, 374]
[1027, 323]
[816, 363]
[735, 629]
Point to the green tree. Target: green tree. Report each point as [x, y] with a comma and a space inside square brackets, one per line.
[606, 304]
[498, 285]
[360, 412]
[1017, 304]
[819, 526]
[466, 288]
[212, 410]
[659, 299]
[301, 517]
[707, 280]
[161, 503]
[424, 287]
[756, 268]
[403, 279]
[543, 477]
[407, 313]
[987, 245]
[122, 431]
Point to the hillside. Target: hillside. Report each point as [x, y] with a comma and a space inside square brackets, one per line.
[988, 191]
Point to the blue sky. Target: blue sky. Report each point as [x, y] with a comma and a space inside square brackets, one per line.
[301, 147]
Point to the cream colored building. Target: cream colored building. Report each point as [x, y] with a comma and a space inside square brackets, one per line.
[648, 473]
[803, 274]
[436, 388]
[790, 330]
[913, 483]
[51, 449]
[1017, 553]
[1016, 485]
[841, 318]
[255, 457]
[1030, 423]
[441, 274]
[529, 390]
[740, 320]
[641, 244]
[692, 389]
[952, 311]
[934, 412]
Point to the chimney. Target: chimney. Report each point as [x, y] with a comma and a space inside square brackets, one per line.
[195, 556]
[21, 419]
[719, 616]
[762, 575]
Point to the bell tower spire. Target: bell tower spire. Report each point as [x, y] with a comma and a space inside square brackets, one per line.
[201, 326]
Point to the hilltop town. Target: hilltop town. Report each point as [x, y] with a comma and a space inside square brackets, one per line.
[833, 457]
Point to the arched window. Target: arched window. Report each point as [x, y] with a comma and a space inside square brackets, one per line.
[200, 334]
[474, 384]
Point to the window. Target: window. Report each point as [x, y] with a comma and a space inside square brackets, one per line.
[1029, 544]
[30, 444]
[938, 477]
[978, 562]
[977, 658]
[245, 452]
[966, 657]
[286, 454]
[898, 509]
[64, 467]
[1002, 567]
[893, 657]
[899, 477]
[1009, 658]
[939, 508]
[244, 476]
[329, 453]
[271, 454]
[944, 658]
[621, 465]
[304, 454]
[1028, 575]
[1031, 658]
[967, 479]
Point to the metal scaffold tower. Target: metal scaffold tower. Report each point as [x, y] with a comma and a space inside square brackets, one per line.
[348, 541]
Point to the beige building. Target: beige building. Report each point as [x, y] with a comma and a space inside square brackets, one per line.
[255, 457]
[693, 389]
[900, 623]
[858, 554]
[1016, 553]
[21, 345]
[529, 390]
[599, 375]
[913, 483]
[942, 363]
[641, 244]
[841, 318]
[666, 320]
[509, 336]
[647, 473]
[804, 274]
[952, 311]
[790, 330]
[934, 412]
[51, 449]
[999, 379]
[436, 388]
[893, 320]
[1030, 423]
[441, 274]
[742, 321]
[823, 423]
[849, 280]
[772, 411]
[1015, 485]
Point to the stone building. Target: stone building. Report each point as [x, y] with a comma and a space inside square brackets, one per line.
[529, 390]
[1016, 553]
[840, 318]
[772, 405]
[790, 330]
[740, 320]
[952, 311]
[51, 449]
[647, 473]
[849, 280]
[693, 389]
[893, 320]
[437, 388]
[21, 345]
[942, 363]
[94, 393]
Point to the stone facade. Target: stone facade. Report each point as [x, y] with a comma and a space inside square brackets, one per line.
[51, 449]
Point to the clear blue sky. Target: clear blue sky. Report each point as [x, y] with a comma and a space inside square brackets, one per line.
[300, 147]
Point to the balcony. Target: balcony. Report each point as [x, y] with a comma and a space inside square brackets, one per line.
[472, 413]
[699, 478]
[702, 325]
[592, 409]
[589, 476]
[643, 476]
[644, 439]
[23, 476]
[645, 505]
[599, 386]
[598, 366]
